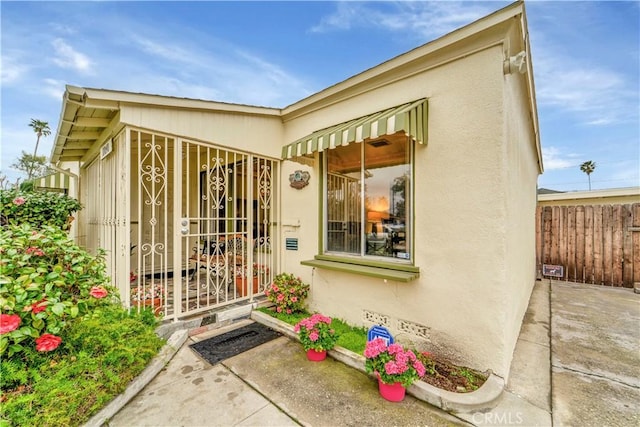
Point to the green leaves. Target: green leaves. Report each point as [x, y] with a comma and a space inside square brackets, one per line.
[45, 280]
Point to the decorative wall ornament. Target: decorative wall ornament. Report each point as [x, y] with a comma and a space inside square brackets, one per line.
[299, 179]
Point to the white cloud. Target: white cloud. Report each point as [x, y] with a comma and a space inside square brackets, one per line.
[553, 158]
[599, 95]
[11, 69]
[53, 88]
[67, 57]
[425, 19]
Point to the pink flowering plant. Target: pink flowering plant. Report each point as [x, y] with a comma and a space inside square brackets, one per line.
[315, 333]
[37, 208]
[46, 282]
[288, 293]
[392, 363]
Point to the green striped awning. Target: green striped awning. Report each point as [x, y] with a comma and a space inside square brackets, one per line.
[56, 180]
[410, 118]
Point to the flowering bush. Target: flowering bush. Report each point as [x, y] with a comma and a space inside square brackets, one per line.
[316, 333]
[392, 363]
[288, 293]
[37, 208]
[45, 281]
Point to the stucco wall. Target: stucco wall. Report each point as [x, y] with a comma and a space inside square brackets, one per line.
[462, 223]
[521, 169]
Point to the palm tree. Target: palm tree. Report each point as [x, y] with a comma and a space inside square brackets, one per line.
[588, 167]
[40, 128]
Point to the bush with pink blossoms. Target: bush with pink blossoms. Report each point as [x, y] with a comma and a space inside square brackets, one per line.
[392, 363]
[46, 281]
[315, 332]
[288, 293]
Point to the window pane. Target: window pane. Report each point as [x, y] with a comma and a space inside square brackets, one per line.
[387, 174]
[344, 229]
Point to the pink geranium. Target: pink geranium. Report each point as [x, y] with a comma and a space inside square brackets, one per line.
[315, 333]
[9, 322]
[19, 201]
[392, 363]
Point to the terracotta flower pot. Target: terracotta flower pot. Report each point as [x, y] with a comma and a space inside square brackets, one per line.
[242, 287]
[156, 303]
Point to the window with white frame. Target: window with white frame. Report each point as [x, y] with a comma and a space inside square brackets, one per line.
[369, 198]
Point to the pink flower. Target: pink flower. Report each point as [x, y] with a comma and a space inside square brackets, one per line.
[279, 309]
[275, 288]
[9, 322]
[294, 299]
[32, 250]
[48, 342]
[18, 201]
[289, 311]
[39, 306]
[313, 336]
[420, 368]
[280, 297]
[98, 292]
[374, 348]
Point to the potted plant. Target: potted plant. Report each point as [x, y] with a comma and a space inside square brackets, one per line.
[241, 274]
[316, 336]
[151, 295]
[288, 293]
[395, 367]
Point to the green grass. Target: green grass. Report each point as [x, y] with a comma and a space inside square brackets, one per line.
[98, 358]
[350, 337]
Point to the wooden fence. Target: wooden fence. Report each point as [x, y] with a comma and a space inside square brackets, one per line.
[598, 244]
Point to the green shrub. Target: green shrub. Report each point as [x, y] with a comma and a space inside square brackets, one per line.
[45, 281]
[101, 353]
[39, 208]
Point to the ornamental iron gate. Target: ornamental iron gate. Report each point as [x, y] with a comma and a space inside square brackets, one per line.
[202, 225]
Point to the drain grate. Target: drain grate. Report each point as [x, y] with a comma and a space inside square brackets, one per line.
[221, 347]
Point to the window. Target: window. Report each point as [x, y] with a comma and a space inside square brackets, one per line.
[368, 198]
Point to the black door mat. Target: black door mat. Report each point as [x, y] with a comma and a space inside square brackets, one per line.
[221, 347]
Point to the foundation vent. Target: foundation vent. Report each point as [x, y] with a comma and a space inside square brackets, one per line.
[415, 329]
[376, 318]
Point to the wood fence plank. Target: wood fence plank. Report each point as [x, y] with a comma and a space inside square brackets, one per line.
[562, 242]
[607, 242]
[547, 214]
[627, 246]
[597, 245]
[588, 244]
[636, 243]
[555, 233]
[616, 245]
[580, 235]
[571, 243]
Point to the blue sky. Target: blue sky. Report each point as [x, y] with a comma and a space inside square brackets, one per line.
[585, 58]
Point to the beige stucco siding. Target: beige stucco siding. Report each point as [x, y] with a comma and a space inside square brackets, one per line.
[521, 169]
[460, 221]
[251, 133]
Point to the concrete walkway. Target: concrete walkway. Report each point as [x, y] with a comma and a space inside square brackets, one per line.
[587, 374]
[595, 338]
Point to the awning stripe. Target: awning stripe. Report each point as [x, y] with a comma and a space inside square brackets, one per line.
[411, 118]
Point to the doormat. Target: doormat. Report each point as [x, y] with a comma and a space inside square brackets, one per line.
[221, 347]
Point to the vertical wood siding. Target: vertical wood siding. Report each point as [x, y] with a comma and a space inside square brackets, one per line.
[597, 244]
